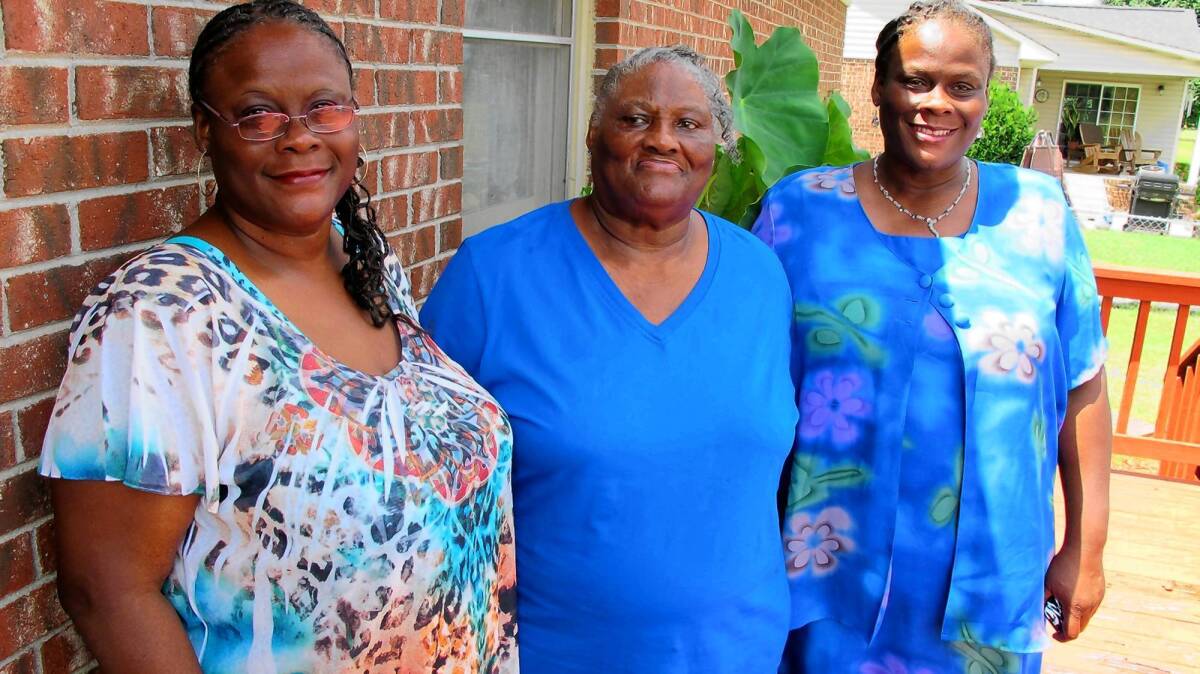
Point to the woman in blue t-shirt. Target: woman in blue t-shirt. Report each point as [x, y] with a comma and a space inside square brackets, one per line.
[641, 349]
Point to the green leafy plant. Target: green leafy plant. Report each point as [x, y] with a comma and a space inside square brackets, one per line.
[784, 123]
[1007, 127]
[1070, 120]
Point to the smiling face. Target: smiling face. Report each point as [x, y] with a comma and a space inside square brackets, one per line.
[291, 183]
[933, 97]
[654, 145]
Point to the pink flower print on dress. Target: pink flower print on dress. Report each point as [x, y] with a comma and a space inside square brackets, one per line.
[815, 543]
[891, 665]
[1011, 346]
[828, 404]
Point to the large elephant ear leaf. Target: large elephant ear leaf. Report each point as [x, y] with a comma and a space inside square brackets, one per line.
[839, 146]
[733, 187]
[774, 94]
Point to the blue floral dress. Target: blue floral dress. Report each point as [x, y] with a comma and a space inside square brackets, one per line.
[347, 521]
[933, 377]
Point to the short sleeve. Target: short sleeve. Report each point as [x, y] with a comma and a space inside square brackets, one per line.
[454, 314]
[135, 405]
[1078, 313]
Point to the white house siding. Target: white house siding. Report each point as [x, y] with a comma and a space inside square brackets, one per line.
[1080, 52]
[865, 18]
[1158, 116]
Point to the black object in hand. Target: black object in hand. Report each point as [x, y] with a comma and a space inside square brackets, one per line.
[1054, 614]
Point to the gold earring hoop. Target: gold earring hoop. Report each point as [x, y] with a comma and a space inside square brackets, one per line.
[361, 166]
[207, 192]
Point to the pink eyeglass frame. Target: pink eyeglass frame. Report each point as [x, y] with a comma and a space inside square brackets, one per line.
[287, 120]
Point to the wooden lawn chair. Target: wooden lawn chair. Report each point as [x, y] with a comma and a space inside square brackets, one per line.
[1179, 413]
[1133, 157]
[1094, 151]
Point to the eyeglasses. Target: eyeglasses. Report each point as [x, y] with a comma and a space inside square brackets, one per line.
[271, 125]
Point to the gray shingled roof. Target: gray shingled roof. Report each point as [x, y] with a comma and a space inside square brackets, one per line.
[1167, 26]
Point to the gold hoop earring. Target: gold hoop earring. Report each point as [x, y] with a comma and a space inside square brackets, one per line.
[200, 181]
[361, 166]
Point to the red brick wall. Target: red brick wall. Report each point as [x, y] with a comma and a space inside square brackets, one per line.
[623, 26]
[98, 162]
[857, 76]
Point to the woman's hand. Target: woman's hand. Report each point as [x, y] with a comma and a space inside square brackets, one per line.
[1076, 574]
[115, 547]
[1076, 579]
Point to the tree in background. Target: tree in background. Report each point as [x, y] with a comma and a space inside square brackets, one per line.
[1193, 117]
[1007, 127]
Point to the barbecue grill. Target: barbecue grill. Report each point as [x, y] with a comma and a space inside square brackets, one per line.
[1154, 193]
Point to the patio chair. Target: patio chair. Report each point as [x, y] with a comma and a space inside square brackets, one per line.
[1133, 157]
[1094, 151]
[1179, 418]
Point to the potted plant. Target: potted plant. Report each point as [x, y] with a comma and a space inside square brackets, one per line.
[1070, 123]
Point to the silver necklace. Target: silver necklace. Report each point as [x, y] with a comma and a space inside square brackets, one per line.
[928, 222]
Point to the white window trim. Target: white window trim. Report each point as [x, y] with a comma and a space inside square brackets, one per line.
[1062, 97]
[582, 56]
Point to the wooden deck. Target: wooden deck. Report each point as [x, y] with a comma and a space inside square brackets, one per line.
[1150, 619]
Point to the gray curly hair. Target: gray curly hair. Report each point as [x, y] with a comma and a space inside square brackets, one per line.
[689, 60]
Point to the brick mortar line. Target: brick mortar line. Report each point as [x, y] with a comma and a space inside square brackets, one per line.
[413, 227]
[24, 528]
[411, 190]
[62, 60]
[25, 336]
[150, 31]
[27, 401]
[340, 18]
[382, 153]
[4, 321]
[75, 228]
[74, 197]
[69, 261]
[57, 60]
[631, 22]
[35, 646]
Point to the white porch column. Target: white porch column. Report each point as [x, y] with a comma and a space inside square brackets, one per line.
[1194, 169]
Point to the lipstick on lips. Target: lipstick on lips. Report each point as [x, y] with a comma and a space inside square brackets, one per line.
[301, 176]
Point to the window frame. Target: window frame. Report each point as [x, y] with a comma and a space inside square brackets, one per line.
[580, 56]
[1103, 84]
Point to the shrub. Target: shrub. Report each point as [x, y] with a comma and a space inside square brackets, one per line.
[1007, 127]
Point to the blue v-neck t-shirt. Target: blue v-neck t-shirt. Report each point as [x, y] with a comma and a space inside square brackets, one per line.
[646, 457]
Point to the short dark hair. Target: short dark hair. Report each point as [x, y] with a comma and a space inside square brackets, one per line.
[926, 10]
[363, 274]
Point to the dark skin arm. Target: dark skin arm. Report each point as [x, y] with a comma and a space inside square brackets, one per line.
[115, 547]
[1076, 574]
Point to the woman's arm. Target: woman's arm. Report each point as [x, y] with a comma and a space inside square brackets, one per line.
[115, 547]
[1076, 574]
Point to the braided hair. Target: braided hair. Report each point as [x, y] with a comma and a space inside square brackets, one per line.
[927, 10]
[362, 240]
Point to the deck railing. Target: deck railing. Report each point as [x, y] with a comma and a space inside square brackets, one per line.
[1175, 440]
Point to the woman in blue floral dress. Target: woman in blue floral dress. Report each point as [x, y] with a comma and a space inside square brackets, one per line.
[948, 352]
[260, 462]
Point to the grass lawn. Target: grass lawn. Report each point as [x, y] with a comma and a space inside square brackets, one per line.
[1183, 151]
[1149, 251]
